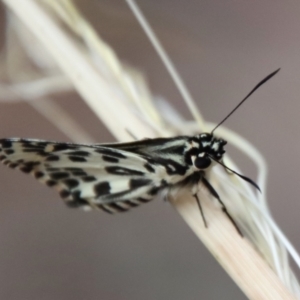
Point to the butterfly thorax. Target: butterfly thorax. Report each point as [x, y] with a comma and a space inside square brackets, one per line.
[204, 150]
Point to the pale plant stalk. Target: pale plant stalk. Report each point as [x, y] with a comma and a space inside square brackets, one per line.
[16, 54]
[249, 270]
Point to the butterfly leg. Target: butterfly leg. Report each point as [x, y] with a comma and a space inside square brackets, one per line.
[193, 182]
[201, 210]
[224, 209]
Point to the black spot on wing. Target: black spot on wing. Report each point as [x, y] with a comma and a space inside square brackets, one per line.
[110, 159]
[9, 151]
[52, 158]
[149, 168]
[59, 175]
[171, 166]
[136, 183]
[13, 165]
[77, 201]
[117, 207]
[143, 200]
[110, 152]
[38, 174]
[119, 195]
[31, 144]
[29, 166]
[51, 183]
[32, 163]
[188, 158]
[163, 183]
[89, 178]
[79, 153]
[2, 157]
[116, 170]
[104, 208]
[150, 160]
[42, 153]
[131, 203]
[26, 169]
[71, 183]
[64, 194]
[102, 188]
[62, 147]
[77, 158]
[153, 191]
[6, 143]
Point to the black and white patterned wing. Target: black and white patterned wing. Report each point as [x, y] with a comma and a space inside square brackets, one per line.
[86, 175]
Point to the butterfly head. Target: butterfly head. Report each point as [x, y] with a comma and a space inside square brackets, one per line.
[206, 149]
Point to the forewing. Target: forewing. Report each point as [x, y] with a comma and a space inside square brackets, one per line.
[86, 175]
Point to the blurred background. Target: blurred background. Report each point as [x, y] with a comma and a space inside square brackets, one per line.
[222, 49]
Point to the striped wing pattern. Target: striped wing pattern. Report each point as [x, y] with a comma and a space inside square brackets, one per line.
[87, 176]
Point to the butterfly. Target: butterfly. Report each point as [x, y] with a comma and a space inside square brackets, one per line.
[118, 176]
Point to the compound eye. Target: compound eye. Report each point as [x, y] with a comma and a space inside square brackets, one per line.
[202, 162]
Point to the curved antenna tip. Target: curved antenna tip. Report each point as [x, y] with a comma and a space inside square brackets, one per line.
[249, 180]
[249, 94]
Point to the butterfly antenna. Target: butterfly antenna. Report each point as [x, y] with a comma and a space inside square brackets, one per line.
[236, 173]
[252, 91]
